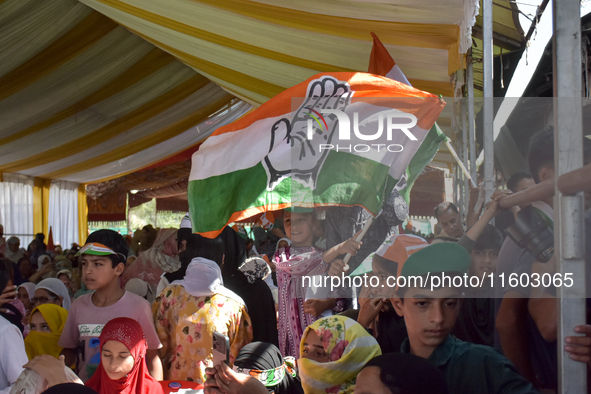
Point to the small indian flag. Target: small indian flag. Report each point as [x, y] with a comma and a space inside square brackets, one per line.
[335, 139]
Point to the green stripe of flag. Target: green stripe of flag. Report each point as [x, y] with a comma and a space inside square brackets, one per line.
[244, 189]
[424, 155]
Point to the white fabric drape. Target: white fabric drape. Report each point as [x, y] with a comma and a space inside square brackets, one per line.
[63, 212]
[16, 207]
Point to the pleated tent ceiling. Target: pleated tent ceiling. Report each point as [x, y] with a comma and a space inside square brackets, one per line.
[256, 49]
[92, 90]
[84, 99]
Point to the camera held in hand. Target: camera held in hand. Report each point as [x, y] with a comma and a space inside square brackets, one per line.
[529, 230]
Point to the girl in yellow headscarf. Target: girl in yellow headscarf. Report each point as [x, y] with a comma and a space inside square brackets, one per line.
[332, 352]
[47, 323]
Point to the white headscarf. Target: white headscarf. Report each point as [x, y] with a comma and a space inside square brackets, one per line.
[13, 256]
[30, 287]
[41, 258]
[282, 239]
[141, 288]
[56, 286]
[204, 278]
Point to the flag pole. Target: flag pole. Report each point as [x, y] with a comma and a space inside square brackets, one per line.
[455, 155]
[358, 239]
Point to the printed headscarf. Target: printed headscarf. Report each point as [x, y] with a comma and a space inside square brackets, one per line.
[129, 332]
[37, 342]
[255, 268]
[348, 346]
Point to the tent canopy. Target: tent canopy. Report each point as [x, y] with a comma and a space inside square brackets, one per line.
[93, 90]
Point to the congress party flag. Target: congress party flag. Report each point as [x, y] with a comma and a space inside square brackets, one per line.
[382, 63]
[337, 139]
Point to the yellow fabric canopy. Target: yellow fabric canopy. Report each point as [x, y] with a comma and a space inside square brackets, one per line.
[91, 90]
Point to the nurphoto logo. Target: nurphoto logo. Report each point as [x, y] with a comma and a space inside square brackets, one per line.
[394, 120]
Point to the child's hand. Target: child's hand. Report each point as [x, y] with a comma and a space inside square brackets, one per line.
[492, 207]
[337, 267]
[369, 309]
[316, 307]
[350, 246]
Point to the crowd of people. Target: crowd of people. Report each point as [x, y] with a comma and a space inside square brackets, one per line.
[137, 315]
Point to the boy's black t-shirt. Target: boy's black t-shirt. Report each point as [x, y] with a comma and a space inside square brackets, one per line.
[476, 321]
[391, 332]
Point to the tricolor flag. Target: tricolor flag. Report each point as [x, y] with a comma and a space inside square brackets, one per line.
[381, 63]
[335, 139]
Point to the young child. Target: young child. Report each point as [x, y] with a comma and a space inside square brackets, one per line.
[102, 260]
[430, 316]
[296, 313]
[476, 321]
[123, 369]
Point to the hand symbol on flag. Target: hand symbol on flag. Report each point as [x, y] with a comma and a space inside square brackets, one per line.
[292, 151]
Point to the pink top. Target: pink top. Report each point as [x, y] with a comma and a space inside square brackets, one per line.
[86, 321]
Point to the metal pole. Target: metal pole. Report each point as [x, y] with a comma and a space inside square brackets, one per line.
[461, 186]
[568, 210]
[455, 179]
[488, 108]
[471, 124]
[465, 150]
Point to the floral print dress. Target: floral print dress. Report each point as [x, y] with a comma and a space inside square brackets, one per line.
[185, 325]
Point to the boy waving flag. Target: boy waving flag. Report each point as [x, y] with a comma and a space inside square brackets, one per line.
[335, 139]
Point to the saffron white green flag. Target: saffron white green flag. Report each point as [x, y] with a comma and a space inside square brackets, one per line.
[335, 139]
[382, 63]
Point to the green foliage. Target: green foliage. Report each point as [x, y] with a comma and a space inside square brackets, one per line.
[145, 214]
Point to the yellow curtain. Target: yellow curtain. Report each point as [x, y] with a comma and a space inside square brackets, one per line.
[82, 215]
[41, 205]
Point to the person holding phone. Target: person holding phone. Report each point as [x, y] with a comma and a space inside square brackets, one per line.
[259, 368]
[188, 311]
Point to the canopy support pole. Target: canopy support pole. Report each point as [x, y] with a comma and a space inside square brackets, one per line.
[465, 153]
[471, 123]
[568, 209]
[488, 108]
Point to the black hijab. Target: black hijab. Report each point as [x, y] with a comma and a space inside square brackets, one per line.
[264, 356]
[69, 388]
[406, 373]
[257, 296]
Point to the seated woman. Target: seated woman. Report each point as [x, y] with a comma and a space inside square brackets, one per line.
[52, 291]
[332, 352]
[123, 367]
[47, 323]
[258, 368]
